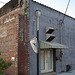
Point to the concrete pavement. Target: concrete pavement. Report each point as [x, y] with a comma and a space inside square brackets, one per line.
[68, 73]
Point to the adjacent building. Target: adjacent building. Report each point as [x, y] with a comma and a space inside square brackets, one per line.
[18, 26]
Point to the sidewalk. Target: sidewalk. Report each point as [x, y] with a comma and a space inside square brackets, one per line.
[68, 73]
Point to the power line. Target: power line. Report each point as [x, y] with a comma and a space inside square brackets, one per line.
[2, 2]
[66, 10]
[61, 22]
[67, 6]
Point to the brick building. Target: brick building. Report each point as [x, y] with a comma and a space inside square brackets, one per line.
[12, 45]
[18, 27]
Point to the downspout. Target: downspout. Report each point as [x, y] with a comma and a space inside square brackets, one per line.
[60, 31]
[61, 54]
[60, 58]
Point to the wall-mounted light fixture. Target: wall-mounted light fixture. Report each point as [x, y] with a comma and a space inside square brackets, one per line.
[38, 13]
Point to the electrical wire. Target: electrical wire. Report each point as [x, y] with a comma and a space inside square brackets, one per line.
[67, 6]
[66, 10]
[61, 22]
[2, 2]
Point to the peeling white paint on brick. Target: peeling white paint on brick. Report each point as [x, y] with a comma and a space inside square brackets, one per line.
[3, 33]
[10, 19]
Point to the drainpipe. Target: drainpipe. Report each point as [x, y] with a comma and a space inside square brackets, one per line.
[61, 53]
[38, 13]
[61, 39]
[60, 31]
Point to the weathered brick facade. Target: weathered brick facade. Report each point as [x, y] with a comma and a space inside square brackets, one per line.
[11, 44]
[23, 46]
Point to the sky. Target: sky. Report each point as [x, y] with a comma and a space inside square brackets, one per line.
[4, 1]
[59, 5]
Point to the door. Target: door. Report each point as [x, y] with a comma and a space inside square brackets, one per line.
[46, 61]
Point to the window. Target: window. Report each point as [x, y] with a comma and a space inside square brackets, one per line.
[46, 61]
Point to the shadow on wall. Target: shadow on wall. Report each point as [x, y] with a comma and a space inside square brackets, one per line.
[68, 68]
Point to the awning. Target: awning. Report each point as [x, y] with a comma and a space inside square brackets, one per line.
[44, 44]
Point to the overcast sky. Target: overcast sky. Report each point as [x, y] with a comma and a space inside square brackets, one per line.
[59, 5]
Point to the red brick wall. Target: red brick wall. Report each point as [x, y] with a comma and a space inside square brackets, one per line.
[12, 44]
[9, 28]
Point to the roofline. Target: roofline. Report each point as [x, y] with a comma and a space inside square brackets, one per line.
[53, 9]
[5, 4]
[46, 7]
[9, 6]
